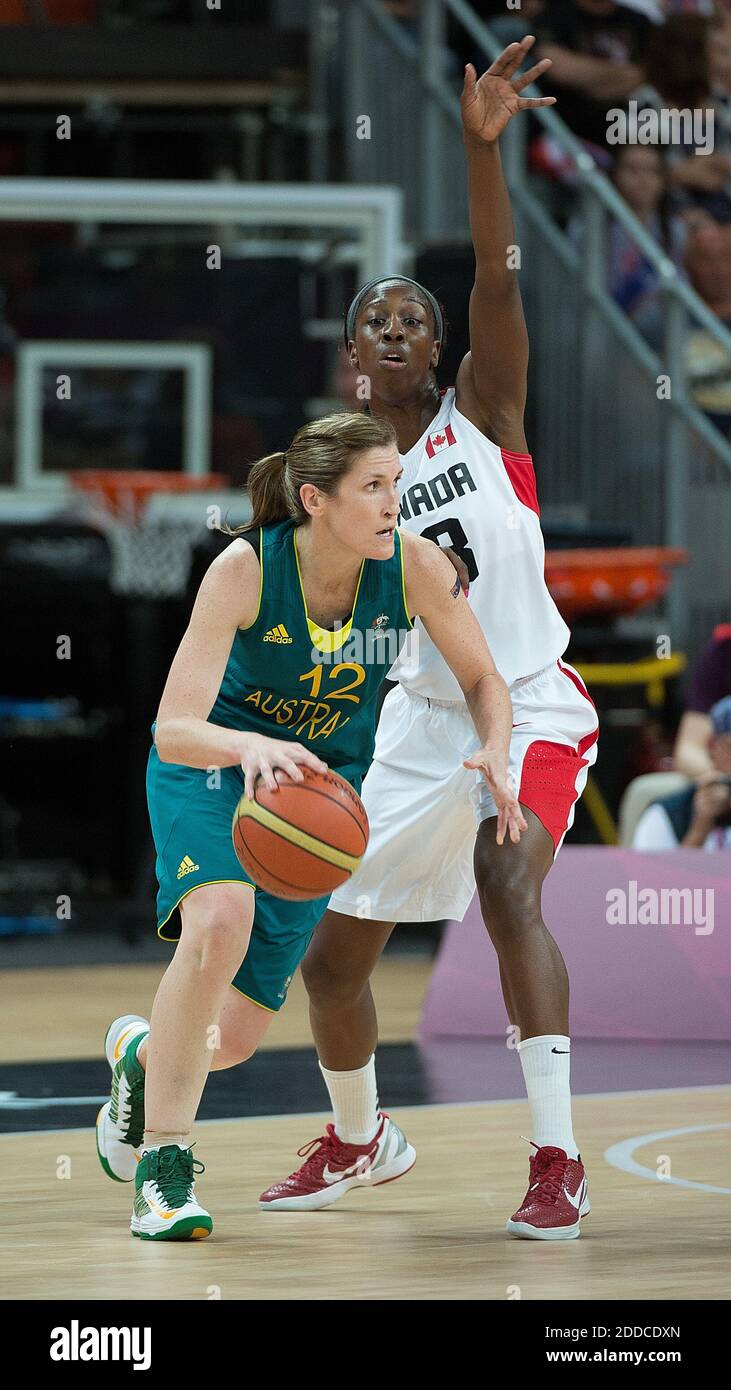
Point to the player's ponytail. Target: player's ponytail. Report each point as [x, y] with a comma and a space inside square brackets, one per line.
[268, 490]
[321, 453]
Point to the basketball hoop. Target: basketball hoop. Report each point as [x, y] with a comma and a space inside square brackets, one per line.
[150, 558]
[124, 492]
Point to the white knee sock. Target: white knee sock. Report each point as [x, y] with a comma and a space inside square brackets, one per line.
[546, 1063]
[354, 1099]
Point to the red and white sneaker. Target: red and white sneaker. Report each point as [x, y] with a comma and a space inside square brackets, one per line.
[333, 1167]
[556, 1199]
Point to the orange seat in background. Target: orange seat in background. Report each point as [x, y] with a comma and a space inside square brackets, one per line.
[585, 582]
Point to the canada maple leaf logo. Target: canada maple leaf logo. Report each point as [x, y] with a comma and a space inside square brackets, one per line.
[442, 439]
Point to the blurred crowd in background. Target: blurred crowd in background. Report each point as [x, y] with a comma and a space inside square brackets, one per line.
[661, 55]
[143, 282]
[674, 54]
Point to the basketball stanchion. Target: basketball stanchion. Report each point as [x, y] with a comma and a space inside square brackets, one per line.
[152, 521]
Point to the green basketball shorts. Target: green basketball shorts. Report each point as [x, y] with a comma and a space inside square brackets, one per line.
[191, 811]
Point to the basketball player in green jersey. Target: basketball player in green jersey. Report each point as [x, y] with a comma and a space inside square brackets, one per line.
[293, 628]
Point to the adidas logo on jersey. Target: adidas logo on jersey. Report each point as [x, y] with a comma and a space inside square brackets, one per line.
[187, 867]
[277, 634]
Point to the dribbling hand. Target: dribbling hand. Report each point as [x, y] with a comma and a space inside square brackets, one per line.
[261, 757]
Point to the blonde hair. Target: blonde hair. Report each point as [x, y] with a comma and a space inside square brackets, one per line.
[321, 452]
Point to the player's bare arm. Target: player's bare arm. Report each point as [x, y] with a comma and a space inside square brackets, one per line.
[492, 379]
[227, 600]
[433, 593]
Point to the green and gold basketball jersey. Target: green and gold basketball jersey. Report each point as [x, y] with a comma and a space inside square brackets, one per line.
[290, 679]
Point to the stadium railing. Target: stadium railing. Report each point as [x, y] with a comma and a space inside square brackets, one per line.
[617, 434]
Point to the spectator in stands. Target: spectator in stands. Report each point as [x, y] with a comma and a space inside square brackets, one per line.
[513, 26]
[708, 366]
[405, 11]
[704, 7]
[686, 70]
[639, 174]
[711, 683]
[597, 48]
[719, 69]
[407, 14]
[699, 816]
[718, 52]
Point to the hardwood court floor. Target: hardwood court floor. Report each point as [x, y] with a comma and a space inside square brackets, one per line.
[438, 1233]
[65, 1012]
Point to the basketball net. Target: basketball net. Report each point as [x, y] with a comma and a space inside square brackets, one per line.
[151, 557]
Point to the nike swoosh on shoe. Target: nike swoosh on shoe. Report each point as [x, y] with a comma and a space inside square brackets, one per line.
[578, 1199]
[355, 1170]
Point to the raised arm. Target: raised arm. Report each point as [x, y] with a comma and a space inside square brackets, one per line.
[227, 600]
[436, 596]
[491, 382]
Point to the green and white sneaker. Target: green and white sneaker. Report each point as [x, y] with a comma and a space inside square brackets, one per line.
[164, 1206]
[120, 1124]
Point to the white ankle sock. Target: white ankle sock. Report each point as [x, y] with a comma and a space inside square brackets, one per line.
[546, 1063]
[354, 1099]
[153, 1139]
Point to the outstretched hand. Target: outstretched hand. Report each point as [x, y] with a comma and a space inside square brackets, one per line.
[488, 103]
[510, 818]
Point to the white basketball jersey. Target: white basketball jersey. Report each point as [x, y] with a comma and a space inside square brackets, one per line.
[462, 491]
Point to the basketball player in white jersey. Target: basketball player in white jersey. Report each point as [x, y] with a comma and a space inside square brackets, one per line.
[468, 484]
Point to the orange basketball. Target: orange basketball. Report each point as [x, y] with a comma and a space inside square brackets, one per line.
[303, 840]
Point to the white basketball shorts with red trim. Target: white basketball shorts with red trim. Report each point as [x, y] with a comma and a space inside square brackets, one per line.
[424, 807]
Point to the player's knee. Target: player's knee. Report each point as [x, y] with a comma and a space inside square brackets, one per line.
[326, 983]
[509, 897]
[217, 937]
[232, 1052]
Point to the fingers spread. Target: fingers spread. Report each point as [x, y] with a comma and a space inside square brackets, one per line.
[531, 75]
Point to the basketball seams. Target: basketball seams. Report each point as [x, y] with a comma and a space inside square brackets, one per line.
[325, 842]
[279, 826]
[295, 894]
[341, 785]
[315, 791]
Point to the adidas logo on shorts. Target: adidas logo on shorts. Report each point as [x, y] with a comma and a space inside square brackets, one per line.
[277, 634]
[187, 867]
